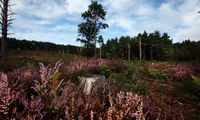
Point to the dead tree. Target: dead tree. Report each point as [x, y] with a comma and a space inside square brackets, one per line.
[5, 21]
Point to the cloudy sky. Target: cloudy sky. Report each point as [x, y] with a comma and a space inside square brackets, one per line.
[56, 20]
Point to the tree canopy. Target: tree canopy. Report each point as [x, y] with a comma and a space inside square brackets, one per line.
[89, 29]
[155, 46]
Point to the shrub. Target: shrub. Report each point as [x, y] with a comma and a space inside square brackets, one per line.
[132, 70]
[122, 78]
[105, 70]
[65, 100]
[5, 94]
[161, 107]
[158, 74]
[182, 73]
[91, 65]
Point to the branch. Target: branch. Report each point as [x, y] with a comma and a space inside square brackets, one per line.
[11, 5]
[10, 14]
[11, 19]
[11, 33]
[1, 7]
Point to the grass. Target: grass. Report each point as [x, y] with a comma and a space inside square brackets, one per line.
[43, 56]
[30, 59]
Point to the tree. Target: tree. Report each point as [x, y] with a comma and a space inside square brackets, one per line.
[5, 21]
[89, 29]
[101, 42]
[154, 46]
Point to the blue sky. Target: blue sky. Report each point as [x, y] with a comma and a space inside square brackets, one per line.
[57, 20]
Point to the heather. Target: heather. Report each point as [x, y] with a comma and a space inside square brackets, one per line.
[130, 91]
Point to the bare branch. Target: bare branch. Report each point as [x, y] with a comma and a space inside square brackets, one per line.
[9, 20]
[10, 14]
[11, 5]
[11, 33]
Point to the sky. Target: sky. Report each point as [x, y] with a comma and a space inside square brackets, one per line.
[57, 21]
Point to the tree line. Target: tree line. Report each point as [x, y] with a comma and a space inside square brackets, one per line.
[154, 46]
[16, 44]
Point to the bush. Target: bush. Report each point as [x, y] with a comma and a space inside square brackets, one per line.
[105, 70]
[159, 74]
[182, 73]
[132, 70]
[121, 78]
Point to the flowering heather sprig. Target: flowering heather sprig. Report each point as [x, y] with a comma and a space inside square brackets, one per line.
[5, 94]
[127, 106]
[159, 66]
[67, 114]
[46, 75]
[182, 72]
[110, 112]
[88, 65]
[164, 108]
[27, 74]
[91, 115]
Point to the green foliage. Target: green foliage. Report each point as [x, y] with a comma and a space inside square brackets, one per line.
[30, 59]
[20, 45]
[132, 70]
[188, 90]
[143, 87]
[196, 80]
[100, 40]
[154, 46]
[121, 78]
[187, 50]
[158, 74]
[56, 76]
[89, 29]
[154, 73]
[105, 70]
[135, 86]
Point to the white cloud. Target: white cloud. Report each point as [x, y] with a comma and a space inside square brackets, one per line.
[76, 6]
[170, 16]
[57, 20]
[191, 32]
[47, 20]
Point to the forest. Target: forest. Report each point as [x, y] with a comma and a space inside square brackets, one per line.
[154, 47]
[146, 76]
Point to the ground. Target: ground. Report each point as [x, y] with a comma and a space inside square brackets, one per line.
[168, 89]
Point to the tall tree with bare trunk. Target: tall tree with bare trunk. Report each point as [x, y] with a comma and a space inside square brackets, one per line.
[5, 22]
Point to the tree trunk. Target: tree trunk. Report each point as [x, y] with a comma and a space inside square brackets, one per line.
[95, 40]
[100, 52]
[4, 21]
[144, 52]
[151, 52]
[140, 42]
[129, 51]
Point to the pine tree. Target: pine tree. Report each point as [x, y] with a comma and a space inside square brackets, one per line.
[89, 29]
